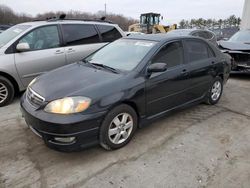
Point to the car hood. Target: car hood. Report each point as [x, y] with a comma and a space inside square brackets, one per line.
[73, 80]
[234, 46]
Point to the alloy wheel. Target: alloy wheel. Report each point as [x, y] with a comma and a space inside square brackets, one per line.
[216, 90]
[120, 128]
[3, 93]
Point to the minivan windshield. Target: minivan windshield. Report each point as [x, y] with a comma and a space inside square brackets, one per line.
[241, 36]
[123, 54]
[11, 33]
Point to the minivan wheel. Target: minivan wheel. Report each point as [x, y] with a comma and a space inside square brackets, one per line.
[6, 91]
[215, 91]
[118, 127]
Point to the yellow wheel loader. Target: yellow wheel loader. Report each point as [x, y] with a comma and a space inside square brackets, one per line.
[150, 23]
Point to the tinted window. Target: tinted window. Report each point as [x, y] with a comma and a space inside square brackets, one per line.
[79, 34]
[196, 50]
[109, 33]
[171, 54]
[42, 38]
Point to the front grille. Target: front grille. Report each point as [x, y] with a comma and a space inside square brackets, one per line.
[34, 98]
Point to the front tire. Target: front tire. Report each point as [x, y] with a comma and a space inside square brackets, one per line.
[6, 91]
[118, 127]
[215, 91]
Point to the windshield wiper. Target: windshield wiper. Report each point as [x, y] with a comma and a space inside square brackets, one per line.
[91, 64]
[106, 67]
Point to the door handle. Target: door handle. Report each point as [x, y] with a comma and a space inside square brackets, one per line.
[59, 52]
[70, 50]
[184, 72]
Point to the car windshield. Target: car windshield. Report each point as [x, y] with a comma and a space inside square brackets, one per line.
[241, 36]
[11, 33]
[123, 54]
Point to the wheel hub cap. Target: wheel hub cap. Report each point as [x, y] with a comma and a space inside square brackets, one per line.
[3, 92]
[120, 128]
[216, 91]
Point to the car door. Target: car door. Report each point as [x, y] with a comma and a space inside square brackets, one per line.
[169, 89]
[201, 61]
[80, 40]
[45, 53]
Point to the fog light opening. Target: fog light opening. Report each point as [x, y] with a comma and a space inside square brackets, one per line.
[65, 139]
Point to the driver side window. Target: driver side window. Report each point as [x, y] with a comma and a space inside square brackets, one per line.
[42, 38]
[171, 54]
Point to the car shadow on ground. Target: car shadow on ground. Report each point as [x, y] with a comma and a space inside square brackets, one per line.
[241, 76]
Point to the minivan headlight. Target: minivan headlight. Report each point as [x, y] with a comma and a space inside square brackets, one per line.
[68, 105]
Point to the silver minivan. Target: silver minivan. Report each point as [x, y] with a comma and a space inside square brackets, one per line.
[33, 48]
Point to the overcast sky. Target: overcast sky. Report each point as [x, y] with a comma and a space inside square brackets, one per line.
[172, 10]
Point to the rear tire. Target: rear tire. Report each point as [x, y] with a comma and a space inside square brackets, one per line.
[7, 91]
[215, 91]
[118, 127]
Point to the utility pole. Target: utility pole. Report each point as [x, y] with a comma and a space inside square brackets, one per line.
[105, 8]
[245, 23]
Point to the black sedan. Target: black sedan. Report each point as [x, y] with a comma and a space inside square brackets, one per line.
[121, 87]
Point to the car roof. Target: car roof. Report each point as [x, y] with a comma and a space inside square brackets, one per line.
[185, 31]
[41, 23]
[157, 37]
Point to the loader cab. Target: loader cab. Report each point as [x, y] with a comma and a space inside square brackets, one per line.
[148, 20]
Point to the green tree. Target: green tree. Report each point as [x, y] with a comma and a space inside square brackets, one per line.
[182, 24]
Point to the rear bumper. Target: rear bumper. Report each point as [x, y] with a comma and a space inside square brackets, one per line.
[82, 130]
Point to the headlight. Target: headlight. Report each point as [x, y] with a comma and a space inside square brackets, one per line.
[68, 105]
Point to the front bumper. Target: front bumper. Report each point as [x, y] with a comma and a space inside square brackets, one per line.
[242, 67]
[83, 129]
[240, 60]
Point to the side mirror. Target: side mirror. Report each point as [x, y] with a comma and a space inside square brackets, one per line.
[157, 67]
[23, 47]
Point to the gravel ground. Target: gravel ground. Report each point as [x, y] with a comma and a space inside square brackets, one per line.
[202, 146]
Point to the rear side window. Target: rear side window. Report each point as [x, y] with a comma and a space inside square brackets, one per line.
[196, 50]
[78, 34]
[171, 54]
[109, 33]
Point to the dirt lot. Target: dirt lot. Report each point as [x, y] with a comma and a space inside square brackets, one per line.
[203, 146]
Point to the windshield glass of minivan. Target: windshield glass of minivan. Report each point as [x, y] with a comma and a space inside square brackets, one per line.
[241, 36]
[123, 54]
[11, 33]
